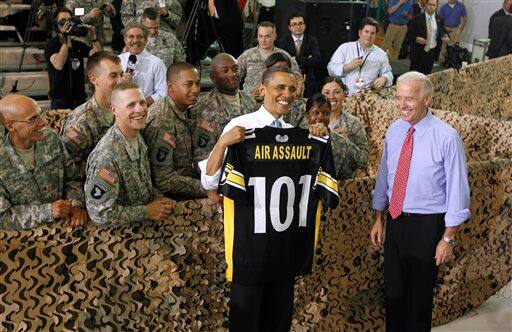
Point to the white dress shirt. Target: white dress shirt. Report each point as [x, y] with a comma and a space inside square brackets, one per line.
[432, 39]
[375, 66]
[258, 119]
[149, 74]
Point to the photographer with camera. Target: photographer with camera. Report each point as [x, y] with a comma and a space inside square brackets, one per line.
[65, 59]
[94, 12]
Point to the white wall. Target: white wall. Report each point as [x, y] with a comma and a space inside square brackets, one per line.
[479, 12]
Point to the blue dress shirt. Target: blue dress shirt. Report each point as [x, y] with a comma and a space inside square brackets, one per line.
[397, 16]
[437, 181]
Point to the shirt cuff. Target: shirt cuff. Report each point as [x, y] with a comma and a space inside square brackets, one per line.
[209, 182]
[379, 203]
[453, 219]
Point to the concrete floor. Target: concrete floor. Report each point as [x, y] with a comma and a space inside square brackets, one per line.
[492, 316]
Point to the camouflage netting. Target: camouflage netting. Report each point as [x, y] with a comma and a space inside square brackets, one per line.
[170, 275]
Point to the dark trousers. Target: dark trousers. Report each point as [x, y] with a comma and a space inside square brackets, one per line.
[267, 307]
[410, 271]
[422, 61]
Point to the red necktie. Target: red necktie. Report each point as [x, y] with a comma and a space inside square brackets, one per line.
[401, 176]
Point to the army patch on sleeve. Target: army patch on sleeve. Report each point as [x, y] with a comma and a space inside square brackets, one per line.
[161, 154]
[209, 126]
[107, 175]
[98, 191]
[202, 141]
[74, 136]
[169, 139]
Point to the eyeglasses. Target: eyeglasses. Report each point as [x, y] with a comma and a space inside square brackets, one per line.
[32, 120]
[297, 24]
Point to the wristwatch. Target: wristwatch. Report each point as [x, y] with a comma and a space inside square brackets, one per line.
[451, 242]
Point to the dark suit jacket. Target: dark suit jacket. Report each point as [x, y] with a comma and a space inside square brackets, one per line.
[418, 28]
[308, 59]
[501, 38]
[499, 13]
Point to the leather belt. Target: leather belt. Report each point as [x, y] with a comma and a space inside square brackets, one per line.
[399, 24]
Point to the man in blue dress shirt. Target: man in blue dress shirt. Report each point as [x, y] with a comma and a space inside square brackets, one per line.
[422, 181]
[400, 12]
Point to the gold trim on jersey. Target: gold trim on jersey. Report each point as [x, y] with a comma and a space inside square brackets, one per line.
[318, 216]
[235, 179]
[327, 181]
[229, 235]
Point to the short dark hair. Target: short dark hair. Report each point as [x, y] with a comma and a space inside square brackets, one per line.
[294, 15]
[175, 69]
[123, 86]
[277, 57]
[95, 60]
[266, 24]
[150, 13]
[336, 80]
[369, 21]
[317, 99]
[59, 10]
[268, 73]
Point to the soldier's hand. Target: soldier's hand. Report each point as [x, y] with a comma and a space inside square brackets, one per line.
[78, 217]
[233, 136]
[160, 208]
[149, 101]
[318, 129]
[341, 132]
[94, 12]
[162, 11]
[61, 208]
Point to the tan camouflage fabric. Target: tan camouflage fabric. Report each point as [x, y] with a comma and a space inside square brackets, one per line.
[251, 66]
[83, 129]
[167, 47]
[132, 9]
[212, 113]
[168, 134]
[118, 185]
[98, 21]
[55, 118]
[169, 276]
[27, 192]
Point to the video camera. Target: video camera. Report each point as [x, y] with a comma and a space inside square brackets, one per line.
[77, 27]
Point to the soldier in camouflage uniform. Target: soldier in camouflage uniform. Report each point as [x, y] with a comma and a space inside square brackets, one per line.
[214, 110]
[88, 123]
[319, 111]
[163, 44]
[170, 13]
[38, 180]
[251, 63]
[169, 135]
[118, 188]
[93, 15]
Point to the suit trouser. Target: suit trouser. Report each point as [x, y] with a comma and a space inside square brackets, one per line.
[410, 270]
[422, 61]
[265, 307]
[395, 35]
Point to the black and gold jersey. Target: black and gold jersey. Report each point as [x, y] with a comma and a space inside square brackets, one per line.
[275, 184]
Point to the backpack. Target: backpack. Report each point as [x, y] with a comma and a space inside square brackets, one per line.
[455, 55]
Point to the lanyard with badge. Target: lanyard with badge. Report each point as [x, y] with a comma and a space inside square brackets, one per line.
[359, 80]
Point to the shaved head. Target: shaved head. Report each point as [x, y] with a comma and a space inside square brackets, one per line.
[220, 59]
[16, 107]
[224, 74]
[174, 71]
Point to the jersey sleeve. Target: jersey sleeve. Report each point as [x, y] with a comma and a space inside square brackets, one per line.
[326, 185]
[232, 182]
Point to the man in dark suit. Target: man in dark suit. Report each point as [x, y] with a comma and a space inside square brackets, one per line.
[506, 10]
[426, 33]
[229, 24]
[501, 37]
[304, 49]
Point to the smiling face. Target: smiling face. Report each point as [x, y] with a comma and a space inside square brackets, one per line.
[411, 102]
[279, 92]
[367, 35]
[334, 92]
[184, 90]
[320, 113]
[106, 76]
[224, 74]
[130, 109]
[135, 40]
[25, 125]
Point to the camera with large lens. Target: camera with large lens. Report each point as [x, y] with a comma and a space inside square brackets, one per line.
[77, 28]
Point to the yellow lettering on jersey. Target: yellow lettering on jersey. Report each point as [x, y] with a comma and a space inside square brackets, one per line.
[308, 148]
[257, 154]
[275, 155]
[293, 153]
[267, 152]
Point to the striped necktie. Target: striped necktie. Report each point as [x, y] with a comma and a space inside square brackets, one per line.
[276, 124]
[396, 203]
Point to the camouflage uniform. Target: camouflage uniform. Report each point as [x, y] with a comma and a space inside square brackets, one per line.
[27, 192]
[251, 66]
[213, 113]
[356, 134]
[83, 129]
[133, 9]
[167, 47]
[297, 112]
[343, 153]
[97, 21]
[118, 185]
[168, 134]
